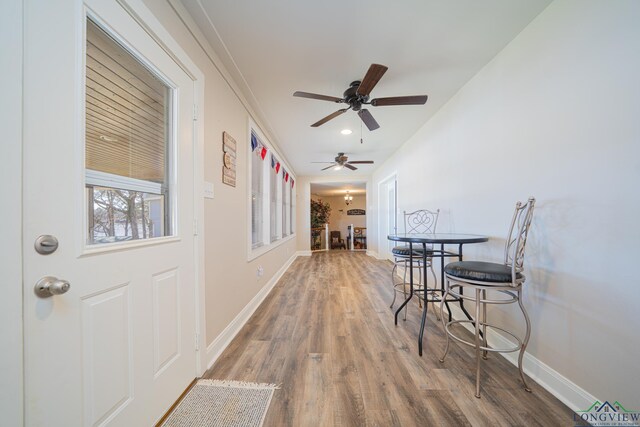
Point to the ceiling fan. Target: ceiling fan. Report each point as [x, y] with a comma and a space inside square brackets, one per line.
[357, 95]
[343, 161]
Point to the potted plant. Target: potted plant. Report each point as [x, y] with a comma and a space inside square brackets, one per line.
[320, 212]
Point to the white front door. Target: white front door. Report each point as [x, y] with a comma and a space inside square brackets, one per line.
[387, 191]
[108, 171]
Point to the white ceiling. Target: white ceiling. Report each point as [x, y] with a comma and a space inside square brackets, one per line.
[273, 48]
[327, 189]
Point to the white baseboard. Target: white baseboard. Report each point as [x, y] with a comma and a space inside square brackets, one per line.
[303, 253]
[376, 255]
[220, 343]
[569, 393]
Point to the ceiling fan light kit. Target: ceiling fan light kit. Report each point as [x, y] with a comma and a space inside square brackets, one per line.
[357, 95]
[343, 161]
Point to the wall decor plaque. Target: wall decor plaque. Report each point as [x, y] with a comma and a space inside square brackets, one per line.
[356, 212]
[228, 159]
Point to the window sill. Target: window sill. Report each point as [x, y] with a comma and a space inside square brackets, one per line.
[89, 250]
[261, 250]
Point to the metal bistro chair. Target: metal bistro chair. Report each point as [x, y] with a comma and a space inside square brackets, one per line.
[504, 280]
[416, 222]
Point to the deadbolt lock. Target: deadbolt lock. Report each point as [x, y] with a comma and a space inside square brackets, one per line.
[46, 244]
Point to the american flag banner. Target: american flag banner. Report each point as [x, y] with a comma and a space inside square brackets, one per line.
[263, 153]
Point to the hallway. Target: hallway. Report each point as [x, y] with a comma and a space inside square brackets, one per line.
[325, 334]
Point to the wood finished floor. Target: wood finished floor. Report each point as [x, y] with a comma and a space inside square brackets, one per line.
[326, 335]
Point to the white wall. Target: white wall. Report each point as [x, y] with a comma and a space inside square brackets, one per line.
[231, 282]
[555, 115]
[11, 193]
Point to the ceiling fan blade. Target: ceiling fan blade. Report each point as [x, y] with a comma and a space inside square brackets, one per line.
[316, 96]
[362, 162]
[329, 117]
[371, 79]
[347, 165]
[368, 119]
[323, 162]
[400, 100]
[328, 167]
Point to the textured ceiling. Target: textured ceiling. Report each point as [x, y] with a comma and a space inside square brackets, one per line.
[273, 48]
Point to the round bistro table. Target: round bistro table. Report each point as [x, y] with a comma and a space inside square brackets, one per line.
[423, 240]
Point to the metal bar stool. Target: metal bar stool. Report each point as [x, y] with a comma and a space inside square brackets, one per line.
[416, 222]
[503, 280]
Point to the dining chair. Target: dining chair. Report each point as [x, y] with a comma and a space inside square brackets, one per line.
[421, 221]
[337, 242]
[501, 281]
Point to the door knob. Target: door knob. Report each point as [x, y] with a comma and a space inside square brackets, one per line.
[49, 286]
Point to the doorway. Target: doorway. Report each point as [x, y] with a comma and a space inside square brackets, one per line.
[388, 211]
[338, 216]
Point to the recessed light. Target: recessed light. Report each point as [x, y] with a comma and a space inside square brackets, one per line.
[346, 131]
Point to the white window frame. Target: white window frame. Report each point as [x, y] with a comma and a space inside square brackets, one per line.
[279, 201]
[292, 207]
[265, 202]
[275, 234]
[286, 201]
[102, 179]
[255, 252]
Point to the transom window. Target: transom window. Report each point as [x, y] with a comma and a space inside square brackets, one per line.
[127, 144]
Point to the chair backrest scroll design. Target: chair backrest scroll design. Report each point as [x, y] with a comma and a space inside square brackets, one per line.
[420, 221]
[517, 237]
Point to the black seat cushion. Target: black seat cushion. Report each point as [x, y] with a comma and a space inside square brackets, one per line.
[404, 251]
[480, 271]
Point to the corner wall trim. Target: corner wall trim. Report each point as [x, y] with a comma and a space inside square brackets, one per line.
[569, 393]
[218, 345]
[303, 253]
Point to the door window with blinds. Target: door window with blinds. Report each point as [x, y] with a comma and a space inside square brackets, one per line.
[128, 144]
